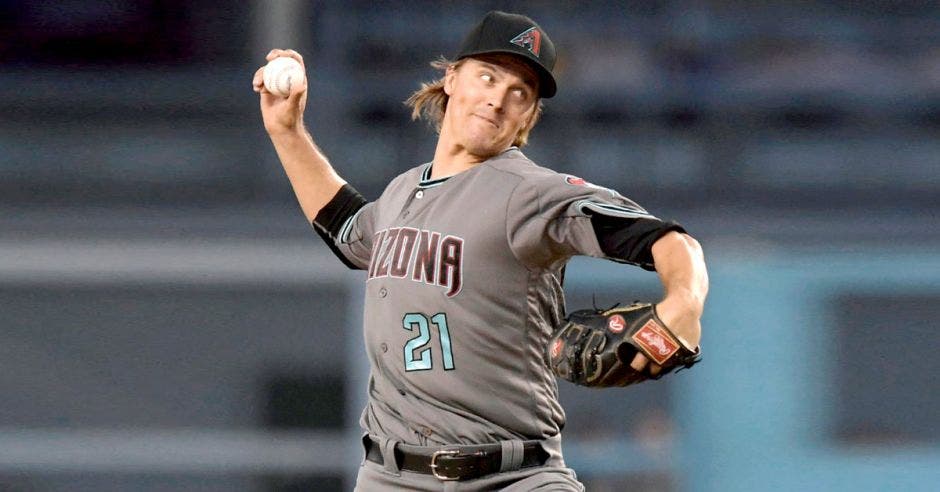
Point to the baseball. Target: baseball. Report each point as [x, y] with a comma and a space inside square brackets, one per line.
[280, 73]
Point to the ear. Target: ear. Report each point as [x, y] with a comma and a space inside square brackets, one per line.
[450, 79]
[532, 114]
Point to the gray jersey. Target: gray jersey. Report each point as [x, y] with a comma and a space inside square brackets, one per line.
[463, 291]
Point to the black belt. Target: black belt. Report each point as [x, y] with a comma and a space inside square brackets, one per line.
[467, 463]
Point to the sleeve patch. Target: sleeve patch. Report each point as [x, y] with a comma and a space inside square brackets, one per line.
[574, 180]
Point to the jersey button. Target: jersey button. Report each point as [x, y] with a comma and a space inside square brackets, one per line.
[419, 194]
[384, 347]
[426, 431]
[383, 292]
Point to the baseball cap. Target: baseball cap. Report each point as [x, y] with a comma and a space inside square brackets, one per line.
[502, 32]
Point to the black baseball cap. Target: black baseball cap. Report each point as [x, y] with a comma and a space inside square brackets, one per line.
[501, 32]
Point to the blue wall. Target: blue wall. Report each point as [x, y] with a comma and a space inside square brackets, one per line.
[756, 414]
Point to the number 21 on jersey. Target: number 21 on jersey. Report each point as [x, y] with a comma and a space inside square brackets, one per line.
[418, 349]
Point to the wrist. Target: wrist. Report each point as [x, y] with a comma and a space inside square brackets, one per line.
[682, 314]
[684, 301]
[287, 132]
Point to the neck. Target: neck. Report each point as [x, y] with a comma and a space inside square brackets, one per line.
[451, 158]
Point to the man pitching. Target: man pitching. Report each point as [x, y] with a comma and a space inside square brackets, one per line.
[465, 257]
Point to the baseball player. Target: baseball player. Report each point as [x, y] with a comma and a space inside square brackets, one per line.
[464, 258]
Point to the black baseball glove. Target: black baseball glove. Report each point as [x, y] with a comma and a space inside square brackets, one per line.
[594, 347]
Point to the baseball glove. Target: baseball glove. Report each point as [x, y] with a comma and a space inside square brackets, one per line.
[594, 347]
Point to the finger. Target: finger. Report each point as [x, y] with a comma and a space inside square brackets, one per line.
[297, 90]
[639, 362]
[295, 55]
[257, 82]
[277, 53]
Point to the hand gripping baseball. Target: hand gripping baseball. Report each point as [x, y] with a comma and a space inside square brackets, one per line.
[281, 113]
[594, 348]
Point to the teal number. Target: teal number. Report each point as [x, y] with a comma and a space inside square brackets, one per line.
[420, 343]
[424, 336]
[440, 319]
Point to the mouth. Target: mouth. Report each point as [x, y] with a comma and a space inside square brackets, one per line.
[488, 120]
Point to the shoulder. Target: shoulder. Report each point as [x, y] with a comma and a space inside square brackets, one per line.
[542, 180]
[514, 163]
[413, 175]
[406, 180]
[530, 180]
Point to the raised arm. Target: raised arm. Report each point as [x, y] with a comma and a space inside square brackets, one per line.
[312, 177]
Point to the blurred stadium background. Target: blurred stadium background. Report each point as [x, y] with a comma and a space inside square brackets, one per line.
[169, 321]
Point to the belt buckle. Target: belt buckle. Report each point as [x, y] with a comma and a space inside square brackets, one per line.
[434, 465]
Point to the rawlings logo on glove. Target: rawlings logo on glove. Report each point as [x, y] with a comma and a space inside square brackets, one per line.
[594, 348]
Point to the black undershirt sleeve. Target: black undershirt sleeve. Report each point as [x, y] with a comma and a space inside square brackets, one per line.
[329, 221]
[631, 239]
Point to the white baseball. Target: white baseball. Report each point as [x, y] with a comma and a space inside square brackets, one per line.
[281, 73]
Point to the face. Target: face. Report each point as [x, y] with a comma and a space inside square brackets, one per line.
[491, 98]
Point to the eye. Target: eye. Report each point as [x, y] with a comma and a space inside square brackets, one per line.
[487, 77]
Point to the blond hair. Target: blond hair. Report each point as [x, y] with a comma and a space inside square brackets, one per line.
[430, 102]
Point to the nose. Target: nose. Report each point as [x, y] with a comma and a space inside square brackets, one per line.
[495, 98]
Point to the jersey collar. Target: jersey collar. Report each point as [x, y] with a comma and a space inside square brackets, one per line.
[427, 182]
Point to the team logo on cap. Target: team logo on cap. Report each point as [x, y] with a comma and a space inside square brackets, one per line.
[530, 39]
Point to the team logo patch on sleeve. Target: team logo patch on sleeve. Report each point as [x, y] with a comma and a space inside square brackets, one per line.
[556, 348]
[656, 342]
[576, 181]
